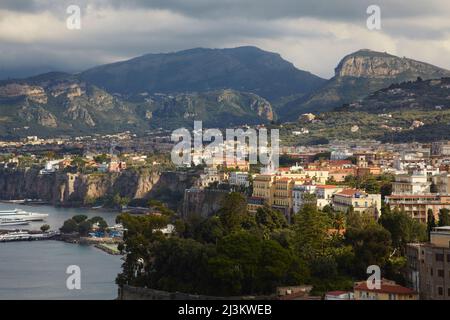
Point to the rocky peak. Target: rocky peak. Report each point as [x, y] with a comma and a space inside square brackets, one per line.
[372, 64]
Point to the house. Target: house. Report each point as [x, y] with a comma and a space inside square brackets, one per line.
[324, 194]
[359, 200]
[388, 290]
[339, 295]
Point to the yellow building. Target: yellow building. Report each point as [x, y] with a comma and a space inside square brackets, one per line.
[388, 290]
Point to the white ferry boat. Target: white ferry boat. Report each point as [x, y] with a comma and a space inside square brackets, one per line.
[21, 214]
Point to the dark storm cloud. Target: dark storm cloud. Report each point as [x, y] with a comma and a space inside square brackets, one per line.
[303, 31]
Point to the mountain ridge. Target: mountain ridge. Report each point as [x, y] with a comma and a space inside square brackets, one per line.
[357, 75]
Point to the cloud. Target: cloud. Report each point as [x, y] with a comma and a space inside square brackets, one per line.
[313, 34]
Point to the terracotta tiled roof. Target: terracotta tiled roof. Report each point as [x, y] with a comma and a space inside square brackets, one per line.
[326, 186]
[336, 293]
[385, 288]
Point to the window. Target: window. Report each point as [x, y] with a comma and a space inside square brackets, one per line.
[448, 292]
[448, 258]
[440, 273]
[439, 257]
[440, 291]
[431, 271]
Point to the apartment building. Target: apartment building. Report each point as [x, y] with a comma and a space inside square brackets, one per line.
[411, 184]
[359, 200]
[417, 206]
[429, 265]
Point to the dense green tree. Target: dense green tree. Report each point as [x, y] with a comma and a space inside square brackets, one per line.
[233, 211]
[403, 228]
[444, 217]
[84, 227]
[45, 228]
[311, 232]
[269, 220]
[79, 218]
[431, 222]
[102, 224]
[69, 226]
[139, 240]
[371, 245]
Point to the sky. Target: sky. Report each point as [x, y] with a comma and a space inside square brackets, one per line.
[312, 34]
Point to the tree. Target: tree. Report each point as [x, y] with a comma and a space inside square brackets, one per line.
[371, 245]
[431, 222]
[102, 225]
[311, 237]
[233, 211]
[84, 227]
[444, 217]
[269, 220]
[79, 218]
[45, 228]
[403, 228]
[69, 226]
[102, 158]
[433, 188]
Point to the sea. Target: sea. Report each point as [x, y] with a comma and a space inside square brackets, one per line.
[38, 270]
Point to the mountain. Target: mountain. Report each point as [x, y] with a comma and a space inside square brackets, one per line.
[248, 69]
[59, 103]
[356, 76]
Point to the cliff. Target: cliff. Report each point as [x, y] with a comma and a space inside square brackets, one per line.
[68, 189]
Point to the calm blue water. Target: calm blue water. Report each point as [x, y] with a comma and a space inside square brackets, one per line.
[37, 269]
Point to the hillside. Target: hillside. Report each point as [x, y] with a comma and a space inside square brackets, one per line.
[61, 104]
[409, 111]
[356, 76]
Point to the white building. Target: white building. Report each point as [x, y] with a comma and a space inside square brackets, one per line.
[416, 183]
[297, 195]
[239, 179]
[324, 194]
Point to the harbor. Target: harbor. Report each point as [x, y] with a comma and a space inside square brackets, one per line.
[32, 269]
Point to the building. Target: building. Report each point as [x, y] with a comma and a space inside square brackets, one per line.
[411, 184]
[442, 183]
[239, 179]
[429, 265]
[324, 194]
[359, 200]
[417, 206]
[339, 295]
[365, 171]
[298, 193]
[388, 290]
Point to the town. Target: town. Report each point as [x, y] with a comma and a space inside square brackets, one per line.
[394, 186]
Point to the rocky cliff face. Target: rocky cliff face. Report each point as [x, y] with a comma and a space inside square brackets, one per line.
[367, 63]
[78, 189]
